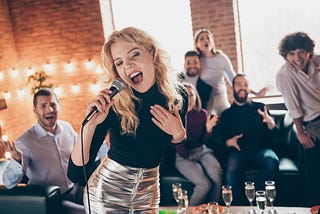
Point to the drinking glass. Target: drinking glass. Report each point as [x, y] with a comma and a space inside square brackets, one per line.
[213, 207]
[183, 201]
[176, 187]
[227, 196]
[261, 200]
[271, 194]
[250, 193]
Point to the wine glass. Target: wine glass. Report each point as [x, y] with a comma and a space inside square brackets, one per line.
[271, 194]
[176, 187]
[227, 196]
[250, 193]
[183, 201]
[261, 200]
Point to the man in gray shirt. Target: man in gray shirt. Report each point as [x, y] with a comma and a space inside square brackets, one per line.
[299, 82]
[42, 152]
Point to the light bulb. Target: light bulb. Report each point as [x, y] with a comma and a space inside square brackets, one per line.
[89, 64]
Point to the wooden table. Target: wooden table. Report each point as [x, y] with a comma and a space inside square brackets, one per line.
[244, 210]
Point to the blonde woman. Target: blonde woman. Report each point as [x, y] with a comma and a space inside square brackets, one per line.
[142, 119]
[194, 159]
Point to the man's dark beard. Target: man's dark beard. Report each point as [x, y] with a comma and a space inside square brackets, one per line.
[193, 74]
[240, 99]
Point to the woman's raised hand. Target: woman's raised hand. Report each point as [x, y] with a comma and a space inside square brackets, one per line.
[169, 122]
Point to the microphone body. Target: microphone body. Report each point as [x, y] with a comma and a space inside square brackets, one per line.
[117, 86]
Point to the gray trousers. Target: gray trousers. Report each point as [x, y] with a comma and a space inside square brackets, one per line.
[203, 169]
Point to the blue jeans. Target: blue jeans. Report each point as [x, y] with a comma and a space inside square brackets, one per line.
[238, 162]
[312, 160]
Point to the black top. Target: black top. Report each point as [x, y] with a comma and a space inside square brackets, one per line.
[246, 119]
[203, 89]
[145, 150]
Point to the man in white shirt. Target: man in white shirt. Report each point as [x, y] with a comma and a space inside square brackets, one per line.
[299, 82]
[42, 152]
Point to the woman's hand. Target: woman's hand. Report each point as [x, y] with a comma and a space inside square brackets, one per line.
[211, 122]
[103, 104]
[169, 122]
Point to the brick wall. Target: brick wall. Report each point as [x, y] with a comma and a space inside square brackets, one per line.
[34, 33]
[221, 18]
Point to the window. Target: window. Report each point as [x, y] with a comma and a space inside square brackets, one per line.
[263, 24]
[169, 22]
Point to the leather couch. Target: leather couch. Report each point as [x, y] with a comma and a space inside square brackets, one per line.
[291, 183]
[30, 199]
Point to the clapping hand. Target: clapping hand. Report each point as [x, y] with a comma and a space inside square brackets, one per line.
[169, 122]
[266, 118]
[7, 146]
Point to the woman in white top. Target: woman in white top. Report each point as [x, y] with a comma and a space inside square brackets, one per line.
[215, 68]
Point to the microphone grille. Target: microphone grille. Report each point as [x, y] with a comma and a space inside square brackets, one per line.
[119, 84]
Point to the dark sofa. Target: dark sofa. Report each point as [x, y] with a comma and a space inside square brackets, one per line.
[30, 199]
[290, 186]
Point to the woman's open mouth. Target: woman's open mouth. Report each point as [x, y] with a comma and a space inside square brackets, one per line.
[136, 77]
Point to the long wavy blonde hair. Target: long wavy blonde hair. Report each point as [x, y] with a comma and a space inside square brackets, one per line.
[165, 78]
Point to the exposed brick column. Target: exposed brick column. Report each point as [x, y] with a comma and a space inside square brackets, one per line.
[221, 18]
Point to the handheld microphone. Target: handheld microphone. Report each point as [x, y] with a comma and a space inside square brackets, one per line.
[117, 86]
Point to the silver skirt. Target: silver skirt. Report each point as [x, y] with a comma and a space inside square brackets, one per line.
[115, 188]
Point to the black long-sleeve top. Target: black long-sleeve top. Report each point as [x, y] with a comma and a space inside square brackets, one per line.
[246, 120]
[145, 150]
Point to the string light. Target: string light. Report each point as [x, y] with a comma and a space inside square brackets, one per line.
[99, 70]
[89, 64]
[94, 88]
[7, 155]
[69, 67]
[7, 95]
[20, 93]
[14, 73]
[49, 67]
[5, 137]
[58, 90]
[30, 71]
[75, 89]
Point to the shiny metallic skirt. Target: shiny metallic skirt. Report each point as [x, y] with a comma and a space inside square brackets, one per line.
[115, 188]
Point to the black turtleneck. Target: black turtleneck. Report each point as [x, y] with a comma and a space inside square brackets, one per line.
[246, 120]
[145, 150]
